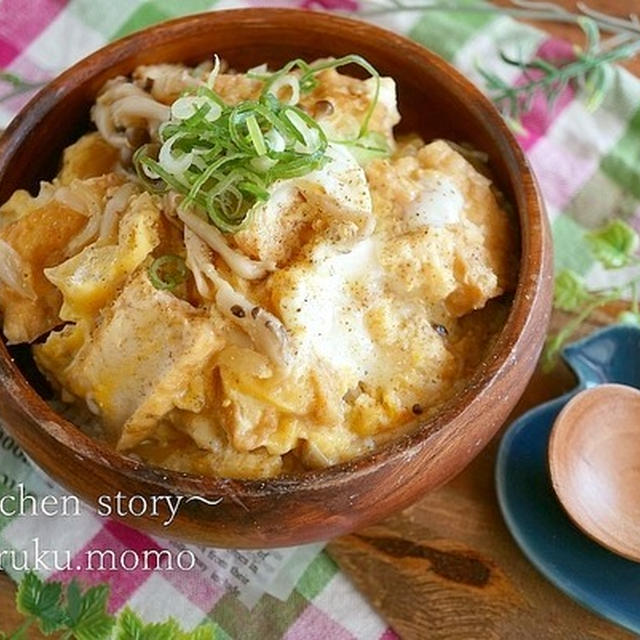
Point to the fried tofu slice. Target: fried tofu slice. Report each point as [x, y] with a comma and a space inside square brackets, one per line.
[40, 240]
[141, 361]
[333, 198]
[21, 203]
[91, 156]
[278, 228]
[41, 233]
[91, 279]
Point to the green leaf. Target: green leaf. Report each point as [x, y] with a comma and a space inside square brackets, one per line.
[131, 627]
[597, 85]
[614, 244]
[168, 630]
[41, 600]
[515, 125]
[11, 78]
[74, 600]
[570, 293]
[630, 317]
[552, 347]
[591, 32]
[206, 632]
[86, 617]
[492, 80]
[542, 65]
[87, 613]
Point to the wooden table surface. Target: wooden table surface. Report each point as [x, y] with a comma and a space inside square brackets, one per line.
[447, 568]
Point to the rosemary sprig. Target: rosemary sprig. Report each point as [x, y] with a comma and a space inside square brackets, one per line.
[521, 9]
[589, 70]
[18, 85]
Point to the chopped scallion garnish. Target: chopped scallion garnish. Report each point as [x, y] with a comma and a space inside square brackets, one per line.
[167, 272]
[256, 135]
[223, 158]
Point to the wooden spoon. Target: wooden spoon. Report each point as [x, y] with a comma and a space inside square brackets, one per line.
[594, 458]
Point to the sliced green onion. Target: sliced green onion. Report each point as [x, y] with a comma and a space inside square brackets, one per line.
[176, 164]
[258, 72]
[301, 64]
[167, 272]
[186, 107]
[256, 135]
[308, 131]
[215, 110]
[287, 80]
[210, 93]
[263, 163]
[366, 148]
[209, 173]
[149, 172]
[149, 165]
[254, 189]
[308, 81]
[224, 158]
[275, 140]
[183, 108]
[149, 178]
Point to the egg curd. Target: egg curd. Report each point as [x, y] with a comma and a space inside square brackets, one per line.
[244, 275]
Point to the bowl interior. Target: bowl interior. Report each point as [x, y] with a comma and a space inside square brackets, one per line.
[434, 101]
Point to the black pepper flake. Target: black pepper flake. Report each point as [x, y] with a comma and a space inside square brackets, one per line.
[417, 409]
[254, 312]
[440, 329]
[238, 311]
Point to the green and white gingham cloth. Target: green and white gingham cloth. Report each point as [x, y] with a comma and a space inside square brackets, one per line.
[588, 165]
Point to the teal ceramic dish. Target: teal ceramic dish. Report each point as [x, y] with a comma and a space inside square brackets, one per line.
[590, 574]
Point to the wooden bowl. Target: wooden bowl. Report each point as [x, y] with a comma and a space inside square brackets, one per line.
[435, 100]
[594, 454]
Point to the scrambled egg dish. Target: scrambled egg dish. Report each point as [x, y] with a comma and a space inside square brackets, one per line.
[244, 275]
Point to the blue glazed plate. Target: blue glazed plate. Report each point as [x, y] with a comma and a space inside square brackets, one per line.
[598, 579]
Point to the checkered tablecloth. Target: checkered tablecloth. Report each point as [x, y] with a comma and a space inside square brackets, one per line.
[588, 165]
